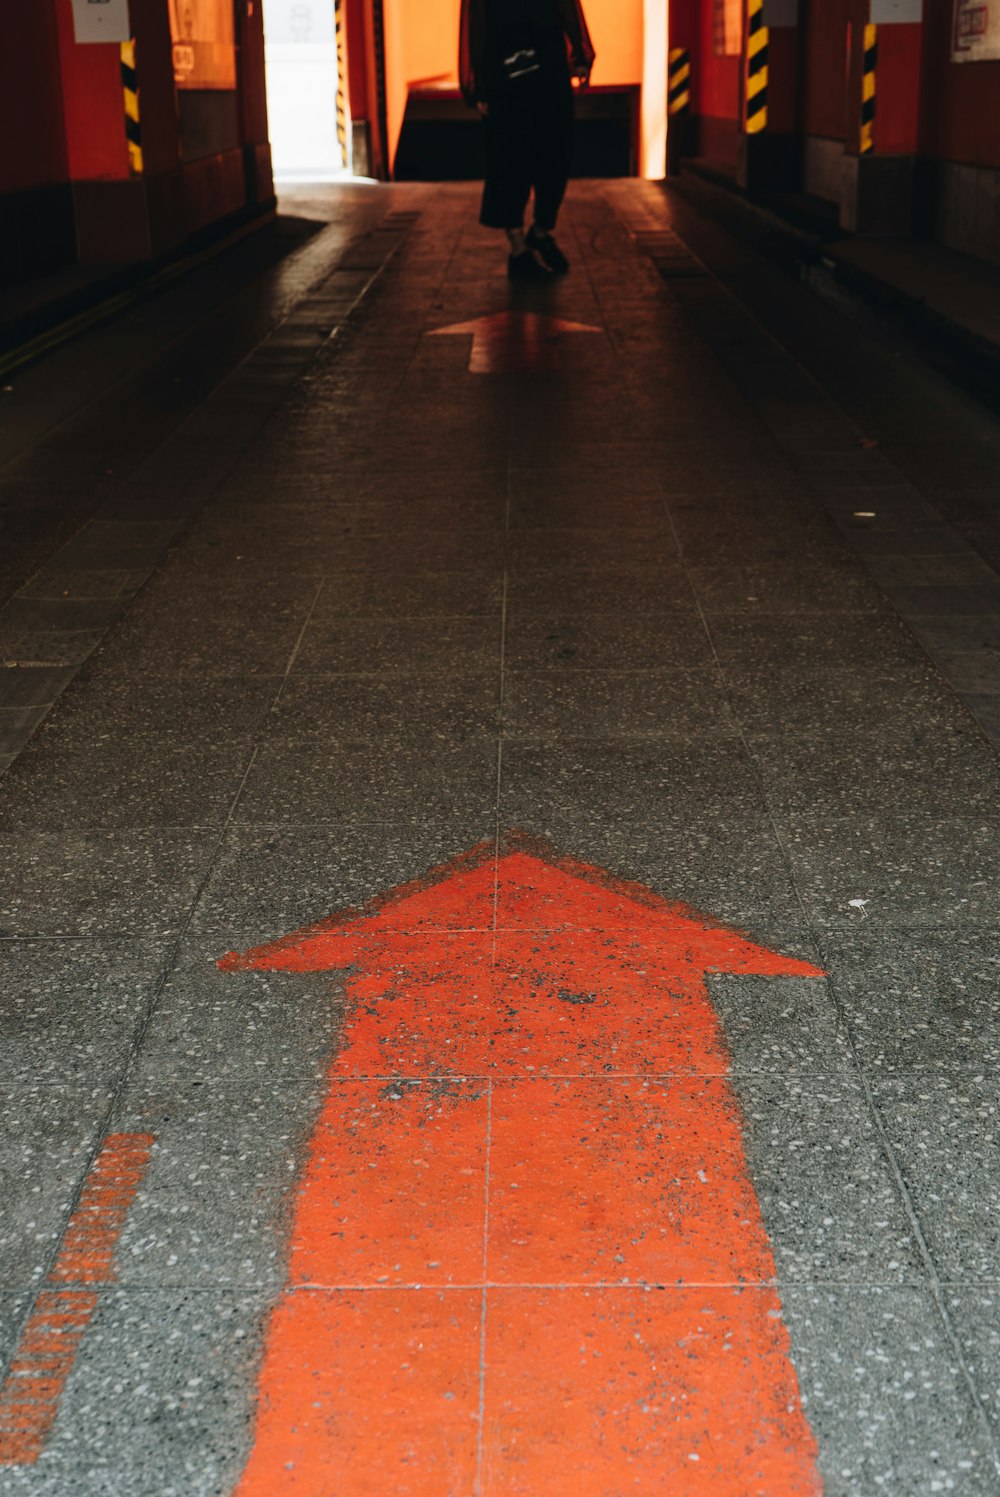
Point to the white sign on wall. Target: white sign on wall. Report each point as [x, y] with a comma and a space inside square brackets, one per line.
[976, 33]
[101, 20]
[299, 23]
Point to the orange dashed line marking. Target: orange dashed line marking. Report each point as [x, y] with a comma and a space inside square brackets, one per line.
[46, 1352]
[527, 1255]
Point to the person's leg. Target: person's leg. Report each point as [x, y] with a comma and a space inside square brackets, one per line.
[554, 154]
[508, 185]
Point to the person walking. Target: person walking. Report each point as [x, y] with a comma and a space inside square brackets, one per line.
[518, 59]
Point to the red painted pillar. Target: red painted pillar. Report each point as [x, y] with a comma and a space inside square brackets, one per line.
[36, 205]
[93, 107]
[122, 215]
[683, 82]
[253, 103]
[883, 129]
[358, 88]
[365, 78]
[770, 141]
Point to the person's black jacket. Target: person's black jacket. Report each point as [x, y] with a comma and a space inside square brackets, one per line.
[472, 65]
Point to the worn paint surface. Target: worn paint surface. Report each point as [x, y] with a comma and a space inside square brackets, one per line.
[515, 342]
[46, 1351]
[525, 1239]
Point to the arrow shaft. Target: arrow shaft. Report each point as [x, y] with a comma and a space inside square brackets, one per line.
[509, 1225]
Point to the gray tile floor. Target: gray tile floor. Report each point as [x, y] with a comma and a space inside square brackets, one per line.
[366, 609]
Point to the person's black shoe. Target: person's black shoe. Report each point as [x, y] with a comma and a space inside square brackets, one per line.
[525, 268]
[545, 245]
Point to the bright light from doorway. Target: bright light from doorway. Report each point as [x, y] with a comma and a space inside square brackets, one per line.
[654, 88]
[301, 55]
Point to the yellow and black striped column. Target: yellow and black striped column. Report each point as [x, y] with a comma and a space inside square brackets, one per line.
[342, 140]
[130, 89]
[868, 70]
[679, 81]
[756, 91]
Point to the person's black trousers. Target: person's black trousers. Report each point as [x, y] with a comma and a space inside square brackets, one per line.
[529, 144]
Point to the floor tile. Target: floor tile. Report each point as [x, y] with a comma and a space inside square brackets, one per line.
[830, 642]
[661, 703]
[79, 883]
[50, 1132]
[811, 703]
[640, 1181]
[455, 785]
[950, 773]
[797, 588]
[269, 881]
[883, 1392]
[394, 1190]
[974, 1315]
[649, 589]
[406, 1418]
[586, 779]
[943, 1129]
[906, 868]
[918, 1002]
[182, 711]
[726, 863]
[140, 1420]
[398, 594]
[399, 647]
[825, 1186]
[589, 549]
[653, 641]
[120, 782]
[47, 985]
[642, 1383]
[215, 1205]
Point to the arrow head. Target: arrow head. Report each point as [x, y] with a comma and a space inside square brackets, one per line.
[527, 889]
[507, 341]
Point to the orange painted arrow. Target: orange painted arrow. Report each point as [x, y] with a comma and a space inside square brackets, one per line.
[527, 1257]
[514, 342]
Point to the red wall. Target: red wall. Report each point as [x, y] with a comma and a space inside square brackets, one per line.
[825, 64]
[93, 106]
[897, 126]
[31, 117]
[961, 110]
[782, 90]
[718, 92]
[685, 22]
[154, 60]
[253, 80]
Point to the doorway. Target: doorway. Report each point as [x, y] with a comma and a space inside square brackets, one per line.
[307, 118]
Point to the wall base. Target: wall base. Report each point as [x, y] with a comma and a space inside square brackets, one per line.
[361, 148]
[145, 218]
[878, 196]
[959, 206]
[769, 163]
[682, 140]
[718, 139]
[39, 232]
